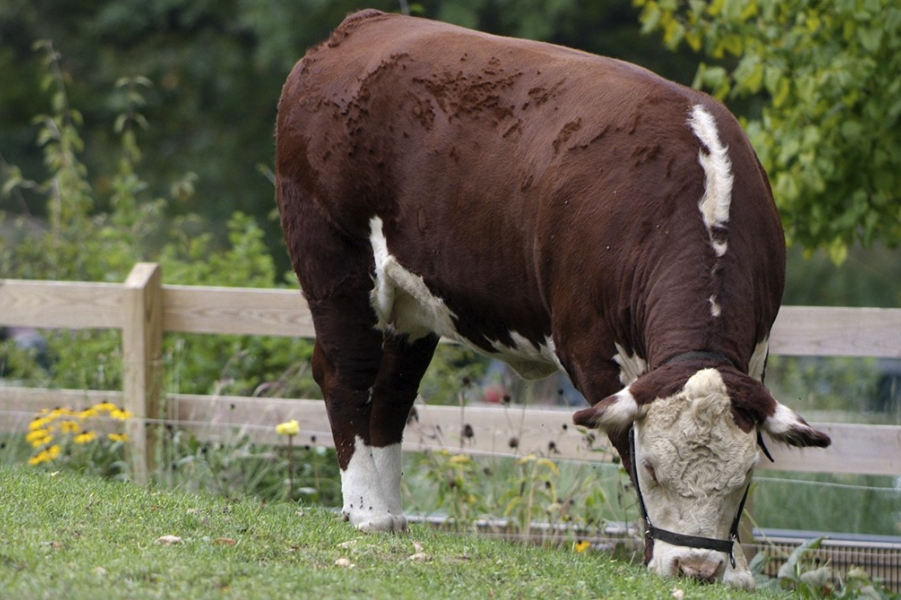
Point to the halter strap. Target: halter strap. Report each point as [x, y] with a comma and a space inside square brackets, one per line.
[699, 355]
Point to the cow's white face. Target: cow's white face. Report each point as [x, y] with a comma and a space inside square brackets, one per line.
[694, 461]
[693, 464]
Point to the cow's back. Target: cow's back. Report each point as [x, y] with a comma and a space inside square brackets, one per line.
[504, 168]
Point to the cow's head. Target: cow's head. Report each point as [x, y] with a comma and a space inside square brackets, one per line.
[694, 445]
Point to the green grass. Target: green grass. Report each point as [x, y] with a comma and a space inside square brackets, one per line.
[69, 536]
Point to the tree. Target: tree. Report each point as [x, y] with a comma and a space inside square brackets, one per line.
[829, 72]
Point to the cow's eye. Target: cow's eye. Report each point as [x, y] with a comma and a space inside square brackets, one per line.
[650, 469]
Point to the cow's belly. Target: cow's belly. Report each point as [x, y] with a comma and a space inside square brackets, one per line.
[404, 304]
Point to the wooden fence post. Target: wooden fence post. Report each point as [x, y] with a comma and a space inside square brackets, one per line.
[142, 341]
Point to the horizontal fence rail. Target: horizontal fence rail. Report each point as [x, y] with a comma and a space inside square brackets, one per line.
[143, 309]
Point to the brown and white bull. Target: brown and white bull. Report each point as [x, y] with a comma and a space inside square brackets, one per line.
[554, 209]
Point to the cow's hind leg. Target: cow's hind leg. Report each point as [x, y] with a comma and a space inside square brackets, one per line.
[368, 421]
[345, 364]
[403, 365]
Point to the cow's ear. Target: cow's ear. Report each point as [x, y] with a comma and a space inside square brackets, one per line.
[787, 426]
[613, 413]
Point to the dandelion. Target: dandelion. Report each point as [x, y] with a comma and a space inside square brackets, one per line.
[289, 428]
[85, 437]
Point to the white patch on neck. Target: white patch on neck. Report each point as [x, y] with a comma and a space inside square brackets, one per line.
[370, 487]
[758, 359]
[715, 309]
[631, 367]
[714, 205]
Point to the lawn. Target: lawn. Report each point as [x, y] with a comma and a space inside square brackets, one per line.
[70, 536]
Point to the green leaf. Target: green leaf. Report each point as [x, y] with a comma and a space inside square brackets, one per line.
[870, 38]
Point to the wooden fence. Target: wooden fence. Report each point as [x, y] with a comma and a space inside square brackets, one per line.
[143, 309]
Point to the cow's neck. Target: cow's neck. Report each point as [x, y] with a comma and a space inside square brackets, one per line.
[686, 310]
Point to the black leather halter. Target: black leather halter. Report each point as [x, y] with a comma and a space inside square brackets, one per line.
[652, 533]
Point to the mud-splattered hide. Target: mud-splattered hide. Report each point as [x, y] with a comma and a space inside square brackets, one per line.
[548, 207]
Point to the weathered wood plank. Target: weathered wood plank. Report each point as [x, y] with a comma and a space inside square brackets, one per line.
[799, 330]
[18, 405]
[142, 348]
[856, 449]
[860, 449]
[247, 311]
[63, 304]
[224, 418]
[837, 331]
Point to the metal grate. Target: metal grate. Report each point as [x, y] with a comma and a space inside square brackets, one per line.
[879, 556]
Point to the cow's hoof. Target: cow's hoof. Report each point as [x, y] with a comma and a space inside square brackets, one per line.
[382, 523]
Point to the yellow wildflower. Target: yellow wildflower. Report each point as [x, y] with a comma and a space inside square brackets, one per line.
[38, 437]
[583, 546]
[458, 459]
[69, 427]
[288, 428]
[88, 413]
[105, 407]
[85, 437]
[117, 437]
[44, 456]
[39, 423]
[120, 414]
[61, 412]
